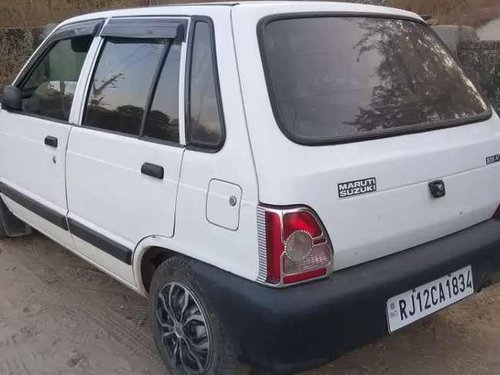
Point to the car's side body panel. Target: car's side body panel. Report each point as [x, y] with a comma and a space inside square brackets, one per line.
[33, 163]
[27, 163]
[102, 197]
[231, 250]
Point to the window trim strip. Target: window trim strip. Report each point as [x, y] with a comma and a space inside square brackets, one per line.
[144, 28]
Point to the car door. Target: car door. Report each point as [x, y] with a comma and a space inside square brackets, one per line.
[123, 162]
[33, 140]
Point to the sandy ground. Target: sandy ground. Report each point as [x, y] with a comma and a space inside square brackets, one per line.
[490, 31]
[60, 316]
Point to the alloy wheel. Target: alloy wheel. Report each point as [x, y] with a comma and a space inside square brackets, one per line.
[184, 329]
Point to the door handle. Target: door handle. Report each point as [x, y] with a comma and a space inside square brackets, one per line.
[153, 170]
[51, 141]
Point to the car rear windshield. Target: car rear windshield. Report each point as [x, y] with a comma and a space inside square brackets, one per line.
[335, 79]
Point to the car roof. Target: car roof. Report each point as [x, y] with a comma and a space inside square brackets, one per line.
[272, 6]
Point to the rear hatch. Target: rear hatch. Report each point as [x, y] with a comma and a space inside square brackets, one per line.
[380, 131]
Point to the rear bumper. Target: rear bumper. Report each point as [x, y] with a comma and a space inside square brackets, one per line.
[288, 330]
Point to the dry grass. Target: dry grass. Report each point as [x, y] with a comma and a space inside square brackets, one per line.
[465, 12]
[35, 13]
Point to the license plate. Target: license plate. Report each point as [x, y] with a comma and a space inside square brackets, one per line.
[410, 306]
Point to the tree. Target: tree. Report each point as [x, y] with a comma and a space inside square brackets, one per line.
[418, 81]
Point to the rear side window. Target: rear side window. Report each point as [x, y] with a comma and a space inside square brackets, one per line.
[334, 79]
[48, 90]
[205, 128]
[121, 84]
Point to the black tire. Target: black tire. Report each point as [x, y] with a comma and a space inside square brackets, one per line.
[3, 234]
[173, 284]
[3, 212]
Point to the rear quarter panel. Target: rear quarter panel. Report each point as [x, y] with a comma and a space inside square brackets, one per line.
[234, 250]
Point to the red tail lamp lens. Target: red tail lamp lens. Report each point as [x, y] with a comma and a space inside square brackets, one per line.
[304, 276]
[274, 247]
[301, 220]
[297, 249]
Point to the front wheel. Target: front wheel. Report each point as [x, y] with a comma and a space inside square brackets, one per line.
[188, 333]
[4, 211]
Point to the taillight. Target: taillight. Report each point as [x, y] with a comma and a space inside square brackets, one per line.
[296, 247]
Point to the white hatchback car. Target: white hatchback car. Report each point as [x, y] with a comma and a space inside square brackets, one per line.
[214, 157]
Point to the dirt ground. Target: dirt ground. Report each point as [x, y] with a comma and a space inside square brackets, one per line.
[60, 316]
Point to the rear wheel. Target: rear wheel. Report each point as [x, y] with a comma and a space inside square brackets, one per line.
[188, 333]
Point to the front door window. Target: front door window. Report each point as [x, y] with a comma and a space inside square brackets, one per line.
[49, 89]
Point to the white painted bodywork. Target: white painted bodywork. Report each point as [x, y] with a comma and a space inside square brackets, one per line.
[189, 212]
[402, 213]
[26, 163]
[219, 212]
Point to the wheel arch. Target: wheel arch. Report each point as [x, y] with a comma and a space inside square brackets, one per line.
[148, 256]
